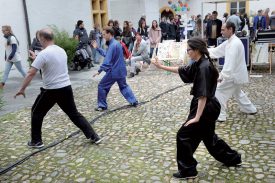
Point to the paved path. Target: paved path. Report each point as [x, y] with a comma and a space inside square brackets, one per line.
[139, 143]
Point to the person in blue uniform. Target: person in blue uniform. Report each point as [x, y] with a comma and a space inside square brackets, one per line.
[115, 69]
[204, 111]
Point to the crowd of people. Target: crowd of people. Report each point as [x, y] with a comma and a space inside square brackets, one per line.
[129, 46]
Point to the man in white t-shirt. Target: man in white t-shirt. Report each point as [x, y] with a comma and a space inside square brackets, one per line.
[56, 89]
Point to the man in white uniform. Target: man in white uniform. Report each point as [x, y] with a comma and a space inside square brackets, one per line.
[52, 60]
[234, 72]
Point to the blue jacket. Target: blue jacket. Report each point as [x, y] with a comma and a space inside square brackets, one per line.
[114, 61]
[256, 20]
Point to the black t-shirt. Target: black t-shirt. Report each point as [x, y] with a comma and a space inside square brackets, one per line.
[202, 75]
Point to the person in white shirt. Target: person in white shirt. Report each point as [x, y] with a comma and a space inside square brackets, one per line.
[52, 60]
[12, 54]
[234, 72]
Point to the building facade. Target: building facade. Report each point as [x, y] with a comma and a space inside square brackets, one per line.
[62, 13]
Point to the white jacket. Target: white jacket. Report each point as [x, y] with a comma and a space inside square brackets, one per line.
[234, 67]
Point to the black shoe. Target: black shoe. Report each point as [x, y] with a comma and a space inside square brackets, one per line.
[131, 75]
[235, 162]
[134, 104]
[97, 140]
[100, 109]
[137, 71]
[36, 145]
[180, 176]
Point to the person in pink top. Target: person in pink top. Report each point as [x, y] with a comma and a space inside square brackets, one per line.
[154, 36]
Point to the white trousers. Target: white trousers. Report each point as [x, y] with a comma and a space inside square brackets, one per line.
[225, 90]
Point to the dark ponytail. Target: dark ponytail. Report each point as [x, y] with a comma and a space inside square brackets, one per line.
[197, 43]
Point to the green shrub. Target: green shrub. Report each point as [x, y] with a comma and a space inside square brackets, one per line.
[63, 39]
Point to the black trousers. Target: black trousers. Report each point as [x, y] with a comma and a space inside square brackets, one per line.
[212, 42]
[65, 100]
[188, 139]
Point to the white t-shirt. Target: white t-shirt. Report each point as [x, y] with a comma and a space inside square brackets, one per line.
[17, 56]
[53, 63]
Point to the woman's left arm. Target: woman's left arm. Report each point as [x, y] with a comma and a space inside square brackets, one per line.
[201, 105]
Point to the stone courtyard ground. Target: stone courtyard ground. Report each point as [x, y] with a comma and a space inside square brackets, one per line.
[139, 143]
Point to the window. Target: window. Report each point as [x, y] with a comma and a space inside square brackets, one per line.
[238, 7]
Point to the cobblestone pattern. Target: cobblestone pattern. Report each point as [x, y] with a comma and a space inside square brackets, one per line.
[139, 143]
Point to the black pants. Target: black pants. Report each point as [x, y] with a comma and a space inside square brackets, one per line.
[188, 139]
[212, 42]
[65, 100]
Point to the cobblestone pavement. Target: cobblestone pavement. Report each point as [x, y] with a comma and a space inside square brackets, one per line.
[139, 143]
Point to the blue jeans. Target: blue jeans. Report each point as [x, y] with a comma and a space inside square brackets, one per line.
[8, 66]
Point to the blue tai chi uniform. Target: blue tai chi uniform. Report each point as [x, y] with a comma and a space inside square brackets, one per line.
[115, 69]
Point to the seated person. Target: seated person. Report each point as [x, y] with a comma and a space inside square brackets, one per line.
[140, 53]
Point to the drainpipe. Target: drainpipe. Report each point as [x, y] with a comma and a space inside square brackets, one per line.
[27, 22]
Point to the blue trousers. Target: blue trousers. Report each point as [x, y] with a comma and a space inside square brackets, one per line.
[105, 85]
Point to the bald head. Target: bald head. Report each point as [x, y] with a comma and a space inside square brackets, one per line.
[46, 34]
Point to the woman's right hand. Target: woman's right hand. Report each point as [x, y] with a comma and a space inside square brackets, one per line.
[155, 61]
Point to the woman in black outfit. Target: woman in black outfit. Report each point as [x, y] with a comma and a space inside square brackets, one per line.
[204, 111]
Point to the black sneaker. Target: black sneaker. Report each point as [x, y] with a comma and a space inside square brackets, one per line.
[137, 71]
[97, 140]
[135, 104]
[100, 109]
[235, 162]
[36, 145]
[180, 176]
[131, 75]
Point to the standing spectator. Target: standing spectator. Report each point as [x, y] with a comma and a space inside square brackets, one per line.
[164, 28]
[95, 35]
[225, 17]
[234, 72]
[172, 28]
[56, 89]
[177, 23]
[126, 34]
[236, 20]
[197, 31]
[266, 15]
[143, 29]
[12, 54]
[213, 29]
[80, 34]
[259, 22]
[117, 29]
[36, 46]
[133, 33]
[110, 23]
[245, 23]
[192, 26]
[142, 20]
[115, 69]
[154, 36]
[204, 110]
[272, 21]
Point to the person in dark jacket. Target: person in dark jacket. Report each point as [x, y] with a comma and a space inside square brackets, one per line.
[172, 29]
[117, 29]
[204, 111]
[164, 29]
[213, 29]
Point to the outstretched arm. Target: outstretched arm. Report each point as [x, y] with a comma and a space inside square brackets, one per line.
[163, 67]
